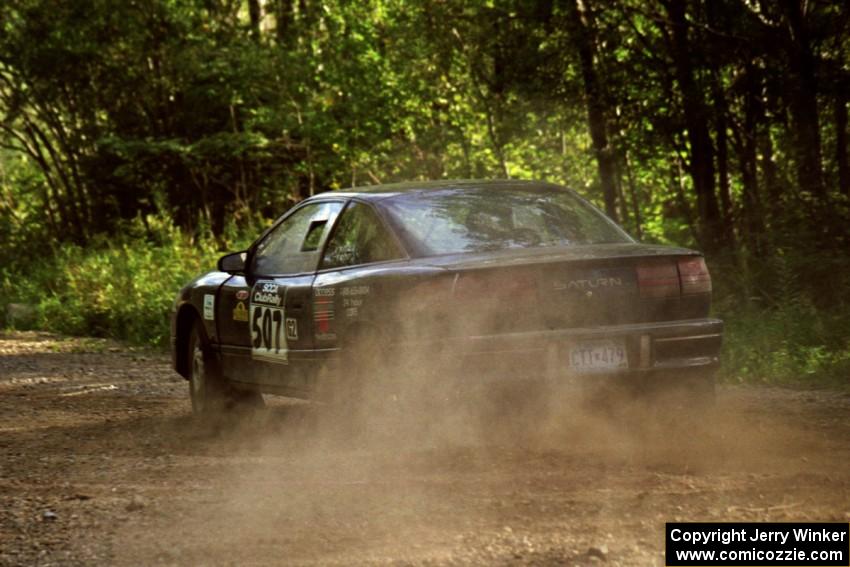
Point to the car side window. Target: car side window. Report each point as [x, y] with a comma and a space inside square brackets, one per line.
[293, 246]
[359, 238]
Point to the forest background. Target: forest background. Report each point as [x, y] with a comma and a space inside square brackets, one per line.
[141, 139]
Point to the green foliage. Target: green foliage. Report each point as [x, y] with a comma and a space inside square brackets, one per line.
[139, 137]
[120, 289]
[786, 319]
[795, 344]
[124, 289]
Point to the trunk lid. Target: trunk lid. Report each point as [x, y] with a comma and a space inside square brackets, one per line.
[558, 288]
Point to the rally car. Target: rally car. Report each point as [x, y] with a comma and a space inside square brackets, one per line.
[517, 280]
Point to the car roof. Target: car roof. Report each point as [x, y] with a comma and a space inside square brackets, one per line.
[383, 191]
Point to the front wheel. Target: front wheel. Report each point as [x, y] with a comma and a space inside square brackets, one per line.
[207, 389]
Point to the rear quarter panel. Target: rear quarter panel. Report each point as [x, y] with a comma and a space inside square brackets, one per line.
[386, 299]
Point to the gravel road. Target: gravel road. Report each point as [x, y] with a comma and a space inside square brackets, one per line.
[102, 463]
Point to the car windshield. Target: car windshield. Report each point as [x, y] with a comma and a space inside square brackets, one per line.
[450, 221]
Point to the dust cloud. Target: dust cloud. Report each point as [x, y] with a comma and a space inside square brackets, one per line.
[429, 475]
[422, 470]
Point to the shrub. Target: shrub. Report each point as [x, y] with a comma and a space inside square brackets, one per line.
[119, 289]
[787, 318]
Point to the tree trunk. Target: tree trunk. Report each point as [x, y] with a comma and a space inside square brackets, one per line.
[634, 197]
[255, 13]
[678, 174]
[622, 209]
[841, 142]
[584, 41]
[771, 183]
[747, 157]
[72, 201]
[803, 97]
[285, 17]
[714, 51]
[495, 139]
[720, 113]
[696, 123]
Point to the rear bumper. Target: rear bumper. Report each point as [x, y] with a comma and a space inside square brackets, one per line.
[653, 348]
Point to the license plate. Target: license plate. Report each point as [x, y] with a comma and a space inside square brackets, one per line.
[598, 356]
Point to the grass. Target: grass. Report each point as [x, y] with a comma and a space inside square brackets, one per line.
[794, 345]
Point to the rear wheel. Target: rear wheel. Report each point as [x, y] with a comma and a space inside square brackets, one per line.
[697, 391]
[685, 400]
[359, 366]
[363, 393]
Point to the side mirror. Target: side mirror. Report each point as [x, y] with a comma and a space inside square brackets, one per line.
[233, 263]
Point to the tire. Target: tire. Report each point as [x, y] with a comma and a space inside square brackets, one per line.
[247, 399]
[207, 389]
[356, 394]
[352, 380]
[700, 391]
[688, 397]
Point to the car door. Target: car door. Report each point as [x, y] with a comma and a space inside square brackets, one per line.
[232, 330]
[268, 310]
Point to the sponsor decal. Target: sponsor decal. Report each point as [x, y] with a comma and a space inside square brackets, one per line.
[268, 298]
[240, 312]
[324, 291]
[355, 290]
[323, 314]
[588, 284]
[267, 293]
[291, 329]
[352, 299]
[242, 295]
[209, 306]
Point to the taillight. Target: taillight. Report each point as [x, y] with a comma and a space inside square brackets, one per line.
[658, 279]
[664, 278]
[694, 275]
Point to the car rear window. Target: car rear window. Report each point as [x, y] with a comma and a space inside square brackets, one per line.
[451, 221]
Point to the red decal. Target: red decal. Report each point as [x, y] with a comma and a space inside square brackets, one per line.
[242, 295]
[323, 313]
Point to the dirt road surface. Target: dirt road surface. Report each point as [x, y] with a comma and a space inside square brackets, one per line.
[102, 463]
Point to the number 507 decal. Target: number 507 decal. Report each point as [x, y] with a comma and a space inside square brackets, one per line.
[268, 333]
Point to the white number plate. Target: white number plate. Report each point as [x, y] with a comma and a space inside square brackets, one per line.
[268, 334]
[598, 356]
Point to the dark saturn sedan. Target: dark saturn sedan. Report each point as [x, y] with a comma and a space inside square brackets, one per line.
[490, 281]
